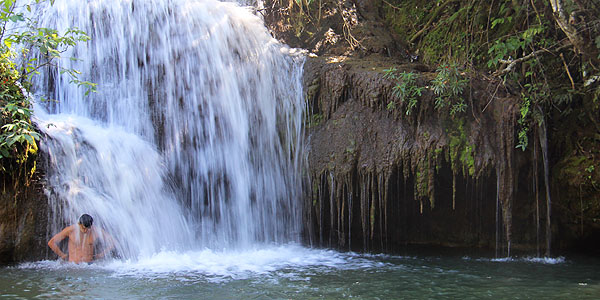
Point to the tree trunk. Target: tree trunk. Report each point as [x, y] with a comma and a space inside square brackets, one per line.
[586, 48]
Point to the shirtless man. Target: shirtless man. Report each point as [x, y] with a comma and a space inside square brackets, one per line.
[83, 240]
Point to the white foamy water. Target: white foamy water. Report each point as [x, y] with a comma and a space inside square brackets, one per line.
[240, 264]
[224, 265]
[539, 260]
[194, 138]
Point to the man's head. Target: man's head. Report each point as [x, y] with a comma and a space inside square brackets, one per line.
[85, 222]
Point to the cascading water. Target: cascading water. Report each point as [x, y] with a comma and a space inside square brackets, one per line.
[193, 139]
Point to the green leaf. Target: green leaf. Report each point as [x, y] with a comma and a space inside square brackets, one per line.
[9, 127]
[497, 21]
[4, 152]
[29, 139]
[17, 18]
[391, 105]
[11, 140]
[8, 4]
[35, 135]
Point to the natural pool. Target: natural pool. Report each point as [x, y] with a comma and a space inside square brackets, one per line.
[296, 272]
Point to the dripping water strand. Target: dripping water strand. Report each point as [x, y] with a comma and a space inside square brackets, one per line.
[497, 211]
[544, 146]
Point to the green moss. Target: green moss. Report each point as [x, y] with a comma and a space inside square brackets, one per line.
[467, 159]
[445, 37]
[314, 120]
[351, 148]
[404, 17]
[444, 44]
[438, 152]
[422, 183]
[426, 135]
[578, 178]
[423, 189]
[453, 31]
[462, 153]
[576, 169]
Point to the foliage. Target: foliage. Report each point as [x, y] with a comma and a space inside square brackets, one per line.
[589, 175]
[435, 28]
[32, 47]
[406, 88]
[448, 86]
[522, 135]
[547, 52]
[391, 105]
[314, 120]
[511, 45]
[550, 53]
[17, 135]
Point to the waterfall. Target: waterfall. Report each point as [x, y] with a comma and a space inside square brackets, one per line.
[194, 136]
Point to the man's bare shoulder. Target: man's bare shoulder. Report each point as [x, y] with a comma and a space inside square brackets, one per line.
[69, 230]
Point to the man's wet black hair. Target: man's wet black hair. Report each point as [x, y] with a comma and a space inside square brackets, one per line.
[86, 220]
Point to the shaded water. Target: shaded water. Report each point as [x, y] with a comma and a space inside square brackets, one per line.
[294, 272]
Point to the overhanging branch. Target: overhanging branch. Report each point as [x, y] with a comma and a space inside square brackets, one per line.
[511, 63]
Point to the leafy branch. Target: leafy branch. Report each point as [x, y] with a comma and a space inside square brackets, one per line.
[36, 47]
[406, 88]
[448, 85]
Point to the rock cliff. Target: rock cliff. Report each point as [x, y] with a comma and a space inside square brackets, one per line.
[23, 217]
[385, 173]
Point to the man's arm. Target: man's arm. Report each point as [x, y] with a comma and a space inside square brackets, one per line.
[53, 243]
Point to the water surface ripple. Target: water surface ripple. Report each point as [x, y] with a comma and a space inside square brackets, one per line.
[296, 272]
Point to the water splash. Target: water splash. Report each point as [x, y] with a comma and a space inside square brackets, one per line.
[223, 266]
[527, 259]
[118, 178]
[194, 138]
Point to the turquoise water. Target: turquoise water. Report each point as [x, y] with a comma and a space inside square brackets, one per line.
[295, 272]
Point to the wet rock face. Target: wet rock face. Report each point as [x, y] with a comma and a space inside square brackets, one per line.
[382, 178]
[23, 220]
